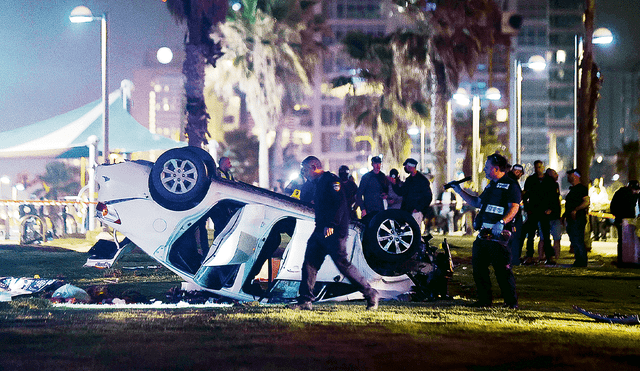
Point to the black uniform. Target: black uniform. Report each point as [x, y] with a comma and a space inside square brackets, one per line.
[623, 205]
[415, 192]
[538, 197]
[331, 209]
[495, 199]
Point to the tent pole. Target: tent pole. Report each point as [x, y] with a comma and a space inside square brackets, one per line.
[92, 182]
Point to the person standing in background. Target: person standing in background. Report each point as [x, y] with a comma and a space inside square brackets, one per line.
[623, 205]
[372, 192]
[350, 188]
[415, 191]
[575, 215]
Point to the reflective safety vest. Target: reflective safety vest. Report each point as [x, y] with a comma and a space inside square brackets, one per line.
[495, 199]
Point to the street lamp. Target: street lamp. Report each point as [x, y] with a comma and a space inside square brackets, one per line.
[462, 99]
[82, 14]
[536, 63]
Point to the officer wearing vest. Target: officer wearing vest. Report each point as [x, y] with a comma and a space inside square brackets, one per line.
[498, 203]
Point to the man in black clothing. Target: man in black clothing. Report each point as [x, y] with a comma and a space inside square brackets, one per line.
[350, 188]
[329, 236]
[499, 203]
[575, 213]
[623, 205]
[536, 200]
[554, 211]
[415, 191]
[372, 192]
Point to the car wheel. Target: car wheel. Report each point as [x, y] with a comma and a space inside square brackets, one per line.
[180, 178]
[206, 157]
[392, 236]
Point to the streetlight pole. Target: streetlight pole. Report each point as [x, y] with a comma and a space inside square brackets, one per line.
[475, 147]
[536, 63]
[82, 14]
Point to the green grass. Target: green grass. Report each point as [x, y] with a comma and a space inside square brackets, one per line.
[546, 333]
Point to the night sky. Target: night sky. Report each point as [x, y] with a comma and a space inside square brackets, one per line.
[49, 65]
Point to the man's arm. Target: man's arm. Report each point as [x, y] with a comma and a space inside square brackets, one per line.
[471, 200]
[361, 190]
[584, 205]
[511, 214]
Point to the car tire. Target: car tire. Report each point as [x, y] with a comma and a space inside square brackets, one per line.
[180, 178]
[392, 236]
[206, 157]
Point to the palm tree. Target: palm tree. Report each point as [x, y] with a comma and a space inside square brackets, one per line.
[433, 51]
[587, 97]
[200, 16]
[59, 180]
[393, 99]
[262, 60]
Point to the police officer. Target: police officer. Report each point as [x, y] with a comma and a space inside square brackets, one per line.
[498, 204]
[329, 236]
[224, 168]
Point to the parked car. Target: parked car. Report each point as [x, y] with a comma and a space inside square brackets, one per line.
[218, 234]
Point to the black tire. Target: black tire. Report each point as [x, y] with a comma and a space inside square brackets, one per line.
[209, 162]
[392, 236]
[180, 178]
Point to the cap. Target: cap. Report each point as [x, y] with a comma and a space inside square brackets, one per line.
[410, 162]
[376, 160]
[633, 184]
[573, 171]
[517, 167]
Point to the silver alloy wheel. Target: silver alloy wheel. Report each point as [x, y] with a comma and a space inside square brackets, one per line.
[179, 176]
[394, 238]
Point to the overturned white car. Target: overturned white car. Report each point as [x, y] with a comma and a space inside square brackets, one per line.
[219, 234]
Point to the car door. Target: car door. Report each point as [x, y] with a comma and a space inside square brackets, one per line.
[239, 239]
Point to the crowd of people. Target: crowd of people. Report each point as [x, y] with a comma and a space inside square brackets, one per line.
[544, 215]
[505, 214]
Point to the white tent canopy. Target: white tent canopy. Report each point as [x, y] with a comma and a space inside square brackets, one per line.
[67, 135]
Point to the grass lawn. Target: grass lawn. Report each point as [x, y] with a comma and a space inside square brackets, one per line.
[546, 333]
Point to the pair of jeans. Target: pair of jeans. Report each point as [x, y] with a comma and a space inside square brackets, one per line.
[531, 226]
[320, 246]
[575, 230]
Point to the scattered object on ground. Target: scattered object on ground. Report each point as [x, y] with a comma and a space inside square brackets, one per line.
[613, 318]
[176, 294]
[104, 253]
[15, 286]
[70, 293]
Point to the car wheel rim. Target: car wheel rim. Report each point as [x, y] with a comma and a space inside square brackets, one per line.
[179, 176]
[395, 238]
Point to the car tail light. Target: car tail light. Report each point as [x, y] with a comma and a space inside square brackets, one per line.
[107, 214]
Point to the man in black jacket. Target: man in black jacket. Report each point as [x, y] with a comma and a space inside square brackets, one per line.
[536, 199]
[329, 236]
[623, 205]
[415, 191]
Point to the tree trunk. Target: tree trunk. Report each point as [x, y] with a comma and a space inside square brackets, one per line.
[197, 116]
[439, 115]
[586, 115]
